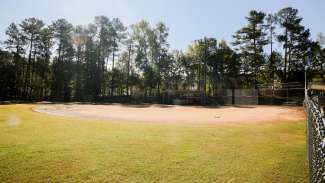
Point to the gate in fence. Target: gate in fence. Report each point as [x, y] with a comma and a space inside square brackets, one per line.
[314, 104]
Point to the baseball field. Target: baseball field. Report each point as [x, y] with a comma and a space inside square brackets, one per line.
[151, 143]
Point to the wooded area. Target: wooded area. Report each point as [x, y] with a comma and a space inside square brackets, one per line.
[106, 58]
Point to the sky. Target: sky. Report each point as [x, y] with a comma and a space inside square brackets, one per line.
[187, 20]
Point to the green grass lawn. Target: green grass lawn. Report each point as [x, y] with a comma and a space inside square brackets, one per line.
[41, 148]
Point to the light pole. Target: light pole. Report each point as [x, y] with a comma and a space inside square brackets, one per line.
[308, 138]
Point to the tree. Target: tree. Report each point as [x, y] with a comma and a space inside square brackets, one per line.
[103, 28]
[140, 35]
[272, 69]
[212, 66]
[16, 42]
[319, 52]
[295, 39]
[7, 71]
[176, 76]
[227, 64]
[79, 41]
[127, 61]
[158, 47]
[91, 67]
[31, 29]
[196, 54]
[62, 65]
[117, 34]
[270, 26]
[187, 65]
[250, 41]
[64, 62]
[320, 39]
[43, 61]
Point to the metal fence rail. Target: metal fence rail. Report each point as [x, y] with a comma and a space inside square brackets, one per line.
[315, 142]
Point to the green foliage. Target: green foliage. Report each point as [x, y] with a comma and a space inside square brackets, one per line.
[87, 63]
[62, 64]
[295, 39]
[250, 41]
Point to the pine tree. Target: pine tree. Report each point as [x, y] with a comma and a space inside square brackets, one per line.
[295, 39]
[62, 65]
[16, 42]
[117, 34]
[250, 41]
[31, 29]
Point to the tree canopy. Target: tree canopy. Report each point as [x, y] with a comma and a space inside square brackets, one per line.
[107, 59]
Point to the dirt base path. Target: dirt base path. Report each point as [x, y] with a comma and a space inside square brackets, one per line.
[175, 114]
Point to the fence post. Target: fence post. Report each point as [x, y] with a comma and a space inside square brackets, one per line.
[308, 140]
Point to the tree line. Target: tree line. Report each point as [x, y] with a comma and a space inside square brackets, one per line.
[107, 58]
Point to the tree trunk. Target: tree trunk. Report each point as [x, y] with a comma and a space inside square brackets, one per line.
[285, 55]
[205, 71]
[17, 72]
[112, 81]
[271, 57]
[158, 82]
[98, 75]
[199, 76]
[78, 82]
[256, 65]
[128, 71]
[289, 57]
[32, 82]
[27, 75]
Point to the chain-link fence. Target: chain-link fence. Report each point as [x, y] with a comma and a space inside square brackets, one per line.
[268, 94]
[315, 141]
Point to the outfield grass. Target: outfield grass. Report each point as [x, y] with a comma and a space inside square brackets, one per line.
[41, 148]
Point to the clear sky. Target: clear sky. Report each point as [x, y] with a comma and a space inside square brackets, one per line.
[187, 19]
